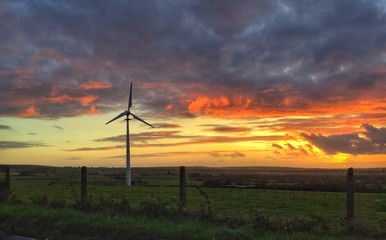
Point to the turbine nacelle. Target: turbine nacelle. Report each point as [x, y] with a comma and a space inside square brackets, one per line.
[127, 112]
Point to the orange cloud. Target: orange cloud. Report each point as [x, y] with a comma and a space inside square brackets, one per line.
[379, 69]
[60, 99]
[93, 110]
[244, 106]
[29, 112]
[169, 107]
[218, 105]
[84, 101]
[95, 85]
[198, 104]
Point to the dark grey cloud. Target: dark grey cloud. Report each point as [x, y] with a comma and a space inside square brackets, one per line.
[145, 136]
[275, 145]
[280, 55]
[370, 141]
[375, 135]
[57, 127]
[231, 154]
[15, 144]
[214, 154]
[167, 125]
[5, 127]
[211, 139]
[227, 129]
[87, 149]
[73, 158]
[290, 147]
[150, 139]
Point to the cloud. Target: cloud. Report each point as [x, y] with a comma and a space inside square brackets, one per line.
[5, 127]
[145, 136]
[15, 144]
[231, 154]
[186, 59]
[86, 149]
[212, 139]
[165, 154]
[57, 127]
[278, 146]
[95, 85]
[147, 139]
[73, 158]
[30, 111]
[228, 129]
[290, 147]
[276, 152]
[370, 141]
[167, 125]
[375, 135]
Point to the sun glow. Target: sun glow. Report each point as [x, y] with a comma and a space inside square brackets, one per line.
[341, 157]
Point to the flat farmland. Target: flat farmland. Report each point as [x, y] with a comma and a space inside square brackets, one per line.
[235, 203]
[236, 193]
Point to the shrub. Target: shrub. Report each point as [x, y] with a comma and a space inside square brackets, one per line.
[205, 211]
[4, 192]
[57, 203]
[154, 207]
[261, 221]
[381, 204]
[40, 200]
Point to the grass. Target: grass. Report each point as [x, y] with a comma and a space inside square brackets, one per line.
[68, 223]
[237, 202]
[65, 223]
[149, 210]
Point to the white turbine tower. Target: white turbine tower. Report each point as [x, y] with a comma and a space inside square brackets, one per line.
[127, 113]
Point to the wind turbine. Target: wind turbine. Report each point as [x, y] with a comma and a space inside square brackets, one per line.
[127, 113]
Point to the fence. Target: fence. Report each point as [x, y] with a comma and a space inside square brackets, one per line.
[5, 183]
[225, 192]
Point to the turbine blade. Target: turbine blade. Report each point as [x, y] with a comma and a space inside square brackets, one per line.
[138, 118]
[130, 101]
[119, 116]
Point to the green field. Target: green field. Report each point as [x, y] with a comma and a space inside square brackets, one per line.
[156, 193]
[65, 223]
[62, 185]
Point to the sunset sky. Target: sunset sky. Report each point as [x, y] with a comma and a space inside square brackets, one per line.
[225, 83]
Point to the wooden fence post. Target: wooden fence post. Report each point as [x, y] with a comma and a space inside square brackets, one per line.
[350, 194]
[5, 187]
[182, 190]
[8, 178]
[83, 190]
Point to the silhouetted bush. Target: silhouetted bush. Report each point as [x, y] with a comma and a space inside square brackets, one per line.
[381, 204]
[40, 200]
[154, 207]
[261, 221]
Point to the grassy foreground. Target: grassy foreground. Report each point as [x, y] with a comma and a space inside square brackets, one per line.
[46, 204]
[67, 223]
